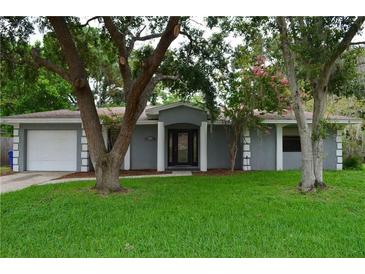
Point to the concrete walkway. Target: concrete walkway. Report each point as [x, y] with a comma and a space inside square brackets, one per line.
[25, 179]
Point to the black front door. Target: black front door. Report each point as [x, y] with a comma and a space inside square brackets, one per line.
[183, 147]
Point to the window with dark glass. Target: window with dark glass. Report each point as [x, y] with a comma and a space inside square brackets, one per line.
[291, 144]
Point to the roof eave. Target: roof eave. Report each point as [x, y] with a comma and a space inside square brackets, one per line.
[14, 121]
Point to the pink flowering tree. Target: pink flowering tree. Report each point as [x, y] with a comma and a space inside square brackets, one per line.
[254, 87]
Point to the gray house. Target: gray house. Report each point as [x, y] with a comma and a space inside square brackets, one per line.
[173, 136]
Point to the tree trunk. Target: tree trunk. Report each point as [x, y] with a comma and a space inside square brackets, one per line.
[233, 155]
[107, 174]
[320, 99]
[318, 154]
[308, 179]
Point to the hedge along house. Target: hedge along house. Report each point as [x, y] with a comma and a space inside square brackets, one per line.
[166, 137]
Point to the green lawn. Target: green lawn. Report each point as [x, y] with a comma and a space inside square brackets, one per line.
[257, 214]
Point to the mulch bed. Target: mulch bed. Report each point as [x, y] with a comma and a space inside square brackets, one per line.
[210, 172]
[217, 172]
[122, 173]
[5, 173]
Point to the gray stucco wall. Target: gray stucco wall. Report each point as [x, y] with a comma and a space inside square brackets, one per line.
[218, 148]
[182, 115]
[292, 160]
[23, 128]
[263, 149]
[144, 151]
[330, 147]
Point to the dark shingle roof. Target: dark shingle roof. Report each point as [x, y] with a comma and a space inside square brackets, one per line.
[110, 111]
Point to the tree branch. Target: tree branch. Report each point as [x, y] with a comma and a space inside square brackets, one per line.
[137, 98]
[147, 37]
[41, 62]
[85, 98]
[187, 35]
[152, 62]
[342, 46]
[76, 67]
[161, 77]
[358, 43]
[150, 88]
[120, 42]
[89, 20]
[290, 68]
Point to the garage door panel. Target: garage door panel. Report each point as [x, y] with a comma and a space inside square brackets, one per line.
[52, 150]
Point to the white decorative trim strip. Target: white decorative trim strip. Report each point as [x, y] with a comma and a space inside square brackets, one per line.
[339, 157]
[84, 151]
[83, 140]
[246, 151]
[16, 147]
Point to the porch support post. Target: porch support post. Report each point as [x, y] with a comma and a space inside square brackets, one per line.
[160, 146]
[127, 159]
[203, 146]
[279, 146]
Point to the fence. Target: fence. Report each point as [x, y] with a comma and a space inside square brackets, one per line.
[6, 144]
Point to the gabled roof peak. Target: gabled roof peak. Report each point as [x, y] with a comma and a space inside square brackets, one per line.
[154, 110]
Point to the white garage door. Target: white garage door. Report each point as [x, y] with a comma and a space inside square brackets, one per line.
[52, 150]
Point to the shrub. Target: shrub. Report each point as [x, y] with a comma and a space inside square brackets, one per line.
[353, 162]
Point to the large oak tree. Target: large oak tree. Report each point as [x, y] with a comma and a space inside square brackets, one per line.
[136, 88]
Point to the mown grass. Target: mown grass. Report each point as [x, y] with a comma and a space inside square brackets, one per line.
[257, 214]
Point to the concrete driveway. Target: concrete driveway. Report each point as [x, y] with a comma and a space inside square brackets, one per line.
[25, 179]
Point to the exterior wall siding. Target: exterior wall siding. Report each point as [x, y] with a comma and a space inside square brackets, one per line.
[218, 148]
[143, 148]
[292, 160]
[182, 115]
[263, 149]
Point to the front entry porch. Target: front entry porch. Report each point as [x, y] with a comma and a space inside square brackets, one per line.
[182, 147]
